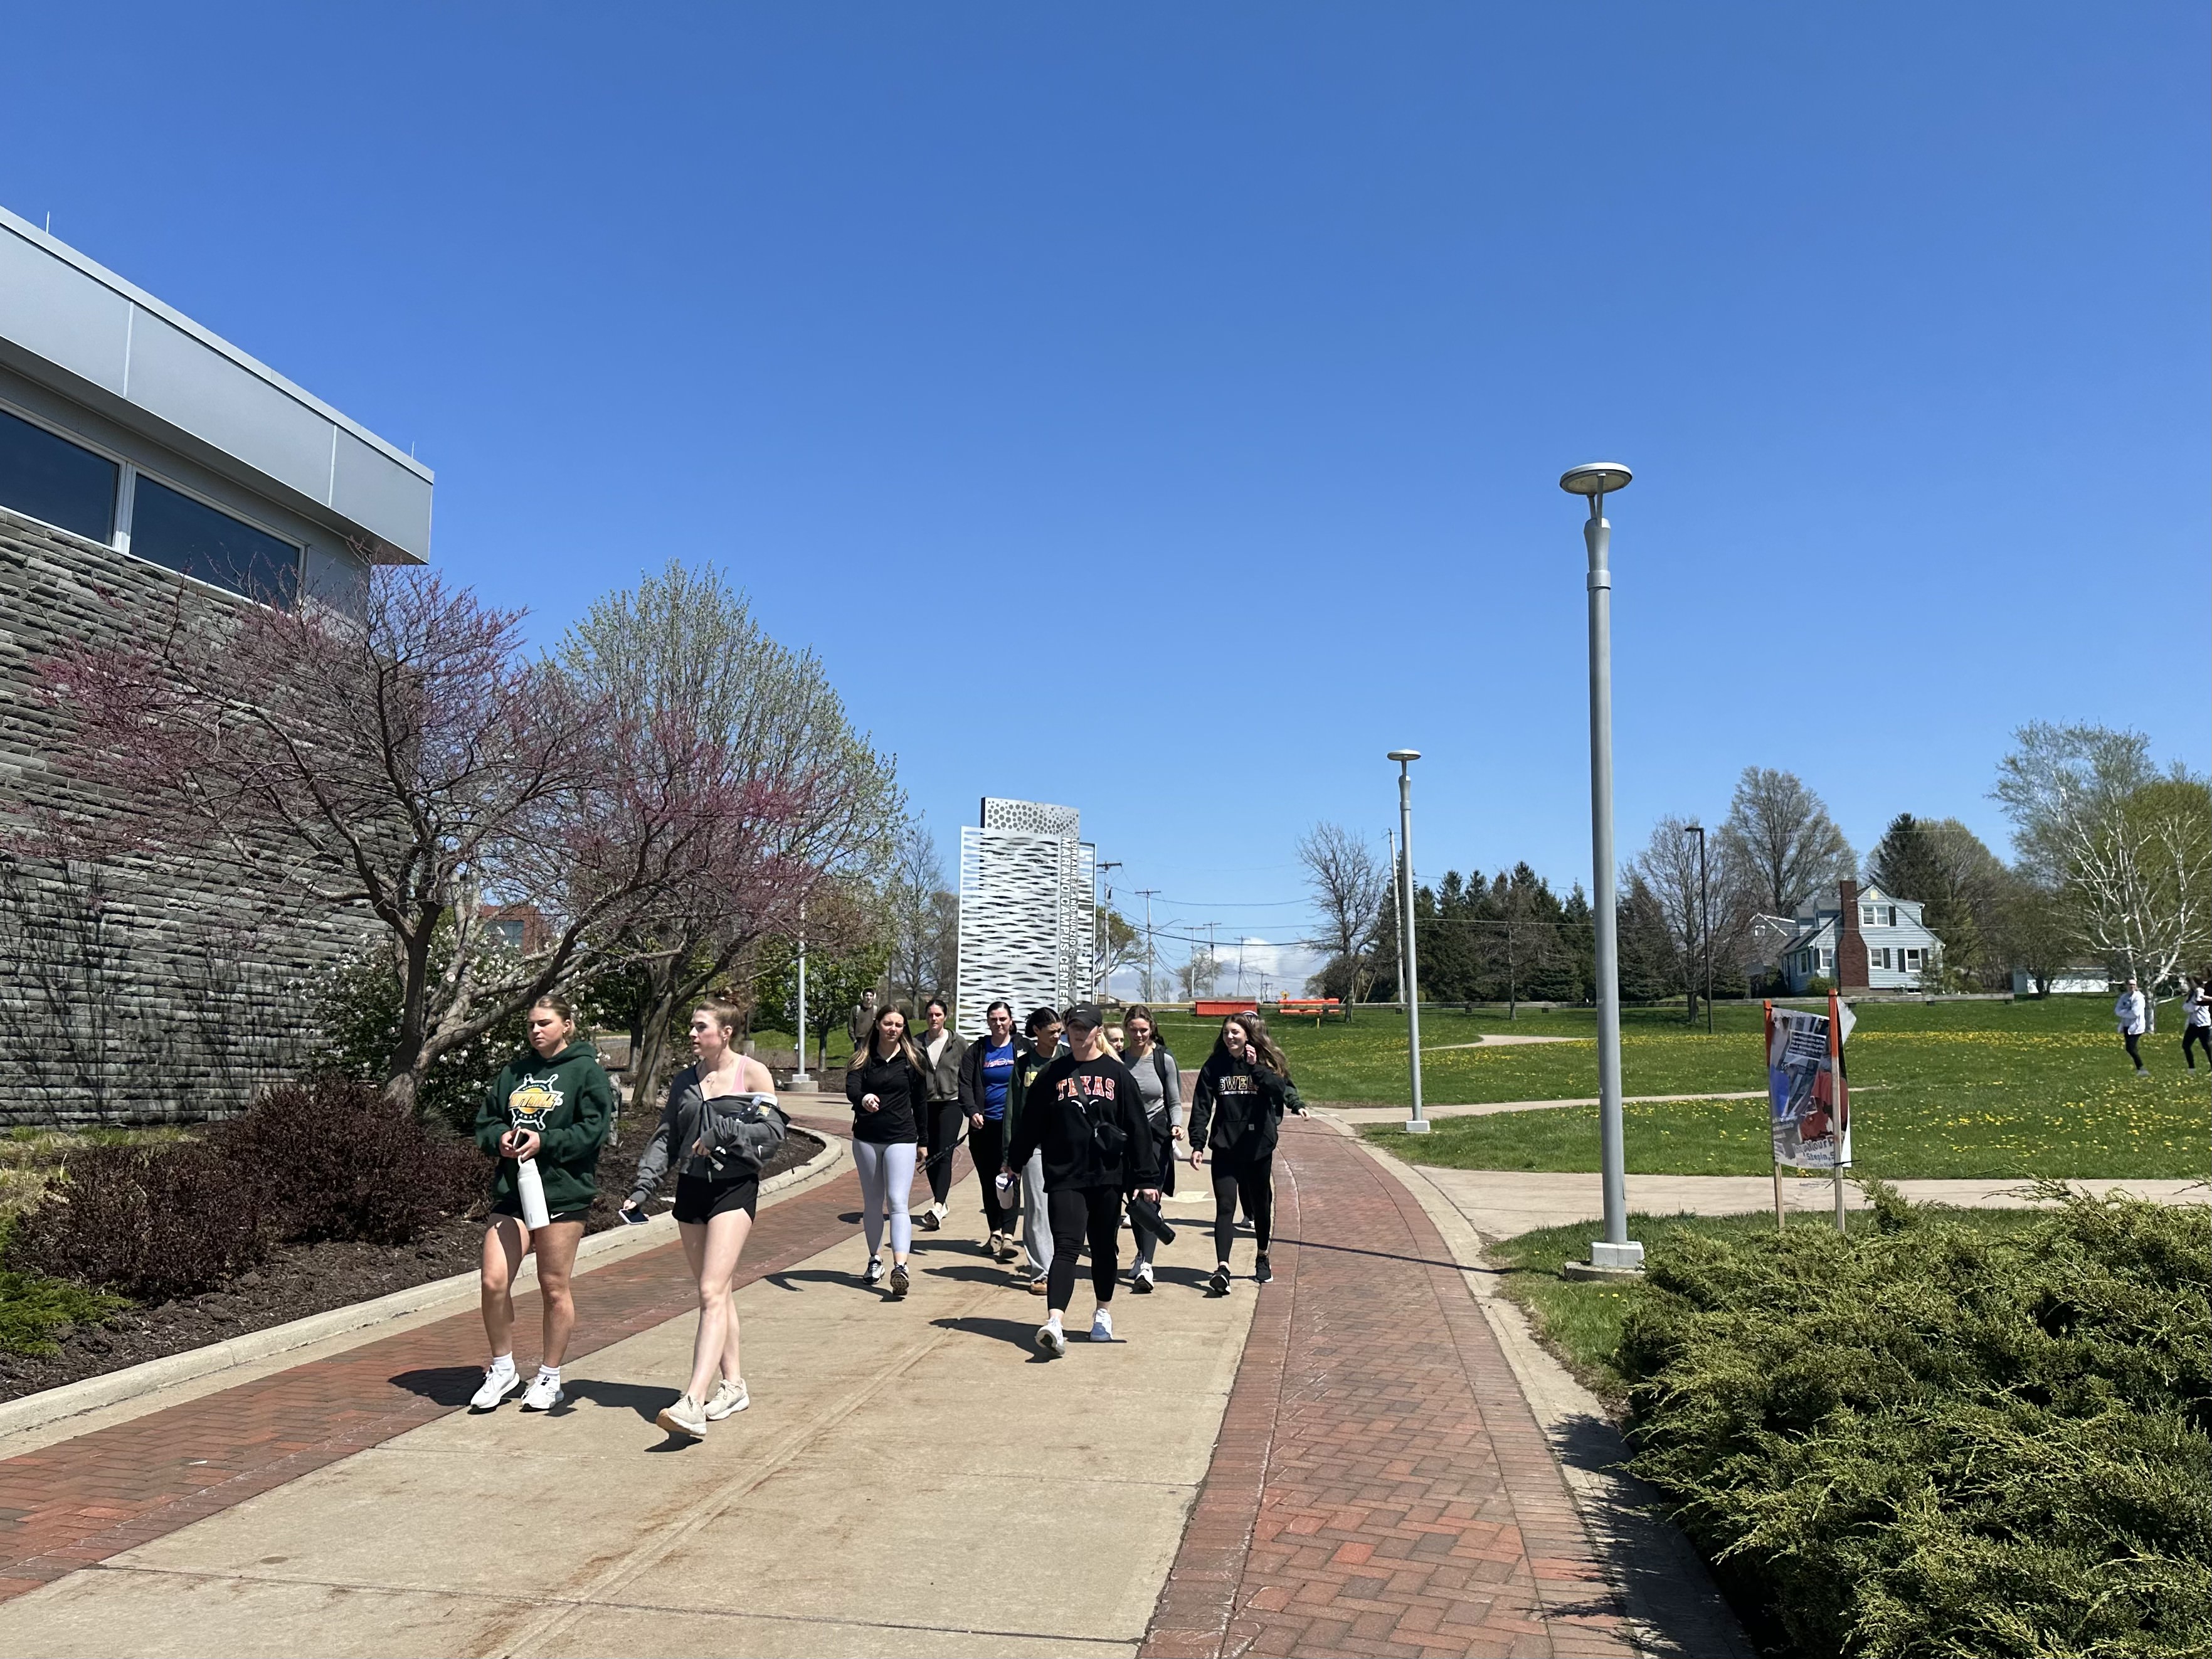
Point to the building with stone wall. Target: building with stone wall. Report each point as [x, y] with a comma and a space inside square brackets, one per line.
[141, 456]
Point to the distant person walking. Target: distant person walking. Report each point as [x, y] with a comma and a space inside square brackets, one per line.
[1085, 1119]
[1237, 1114]
[2197, 1022]
[1159, 1084]
[941, 1054]
[549, 1107]
[1043, 1028]
[717, 1123]
[860, 1020]
[986, 1073]
[890, 1091]
[2133, 1013]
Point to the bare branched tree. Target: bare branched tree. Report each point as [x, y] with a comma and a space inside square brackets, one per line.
[1350, 886]
[924, 915]
[1779, 843]
[1668, 870]
[2128, 848]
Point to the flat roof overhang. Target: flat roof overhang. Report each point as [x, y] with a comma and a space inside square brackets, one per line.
[75, 326]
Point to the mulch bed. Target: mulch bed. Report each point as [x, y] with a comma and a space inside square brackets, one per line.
[295, 1281]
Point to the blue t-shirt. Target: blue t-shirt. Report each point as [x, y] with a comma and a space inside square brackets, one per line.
[998, 1072]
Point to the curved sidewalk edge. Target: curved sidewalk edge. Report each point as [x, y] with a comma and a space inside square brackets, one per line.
[150, 1385]
[1388, 1480]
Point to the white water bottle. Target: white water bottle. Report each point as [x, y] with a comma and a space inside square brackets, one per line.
[531, 1191]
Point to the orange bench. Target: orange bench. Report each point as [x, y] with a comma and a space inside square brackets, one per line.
[1318, 1008]
[1222, 1007]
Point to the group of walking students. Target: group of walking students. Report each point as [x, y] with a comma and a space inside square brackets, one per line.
[1067, 1123]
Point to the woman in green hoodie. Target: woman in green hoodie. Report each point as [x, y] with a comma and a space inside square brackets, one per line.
[551, 1105]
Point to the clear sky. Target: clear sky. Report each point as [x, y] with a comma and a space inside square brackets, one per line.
[1158, 408]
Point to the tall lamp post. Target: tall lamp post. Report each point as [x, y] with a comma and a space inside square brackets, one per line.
[1705, 921]
[1615, 1252]
[799, 1076]
[1418, 1124]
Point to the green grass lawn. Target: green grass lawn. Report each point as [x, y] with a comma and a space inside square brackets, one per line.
[1580, 1320]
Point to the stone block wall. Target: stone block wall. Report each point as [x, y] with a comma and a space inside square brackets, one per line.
[141, 988]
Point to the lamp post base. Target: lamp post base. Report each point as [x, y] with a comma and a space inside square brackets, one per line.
[1610, 1261]
[1587, 1270]
[1416, 1126]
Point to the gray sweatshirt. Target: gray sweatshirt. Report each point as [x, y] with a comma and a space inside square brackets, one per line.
[673, 1138]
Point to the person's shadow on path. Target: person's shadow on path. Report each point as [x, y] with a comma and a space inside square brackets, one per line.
[638, 1397]
[442, 1385]
[1014, 1331]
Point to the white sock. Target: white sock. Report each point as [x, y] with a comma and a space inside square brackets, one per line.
[548, 1374]
[502, 1362]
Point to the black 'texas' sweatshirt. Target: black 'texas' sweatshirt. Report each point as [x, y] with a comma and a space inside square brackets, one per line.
[1236, 1110]
[1068, 1097]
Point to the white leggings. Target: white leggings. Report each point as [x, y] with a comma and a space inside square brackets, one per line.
[880, 1165]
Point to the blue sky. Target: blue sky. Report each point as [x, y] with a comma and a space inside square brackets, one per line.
[1159, 409]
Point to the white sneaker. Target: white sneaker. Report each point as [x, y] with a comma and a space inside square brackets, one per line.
[875, 1270]
[1050, 1340]
[498, 1382]
[1141, 1278]
[1101, 1326]
[686, 1416]
[542, 1394]
[729, 1398]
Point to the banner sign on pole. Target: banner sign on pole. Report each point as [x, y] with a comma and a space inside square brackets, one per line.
[1808, 1103]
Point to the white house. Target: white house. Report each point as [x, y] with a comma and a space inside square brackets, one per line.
[1900, 948]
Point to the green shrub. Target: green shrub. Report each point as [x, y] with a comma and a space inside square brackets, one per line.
[1928, 1440]
[333, 1159]
[34, 1307]
[150, 1222]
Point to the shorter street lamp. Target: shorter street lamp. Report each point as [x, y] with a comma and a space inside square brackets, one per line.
[1705, 921]
[1417, 1124]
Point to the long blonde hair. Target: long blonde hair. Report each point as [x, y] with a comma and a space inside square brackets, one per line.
[874, 1049]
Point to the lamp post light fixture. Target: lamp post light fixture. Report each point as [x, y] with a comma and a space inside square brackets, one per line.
[1418, 1124]
[1615, 1252]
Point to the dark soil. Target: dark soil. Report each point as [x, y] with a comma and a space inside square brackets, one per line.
[299, 1279]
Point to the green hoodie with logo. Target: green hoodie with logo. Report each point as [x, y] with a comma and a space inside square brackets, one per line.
[569, 1101]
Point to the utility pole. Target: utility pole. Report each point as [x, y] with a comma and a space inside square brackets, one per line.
[1152, 955]
[1418, 1124]
[1100, 946]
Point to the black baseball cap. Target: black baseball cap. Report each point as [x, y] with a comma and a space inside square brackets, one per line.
[1084, 1014]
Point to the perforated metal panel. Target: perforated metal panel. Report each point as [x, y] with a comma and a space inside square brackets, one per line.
[1026, 914]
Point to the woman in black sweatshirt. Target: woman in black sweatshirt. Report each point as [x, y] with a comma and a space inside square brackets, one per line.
[889, 1088]
[1235, 1114]
[1086, 1118]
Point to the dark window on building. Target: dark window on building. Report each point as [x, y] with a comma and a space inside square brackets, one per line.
[174, 530]
[508, 934]
[53, 479]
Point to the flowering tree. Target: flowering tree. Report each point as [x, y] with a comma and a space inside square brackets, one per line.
[412, 762]
[753, 732]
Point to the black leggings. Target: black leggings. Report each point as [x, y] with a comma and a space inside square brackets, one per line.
[987, 1146]
[946, 1118]
[2201, 1036]
[1078, 1213]
[1254, 1185]
[2132, 1039]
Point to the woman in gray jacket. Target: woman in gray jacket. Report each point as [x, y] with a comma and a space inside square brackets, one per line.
[1159, 1081]
[715, 1201]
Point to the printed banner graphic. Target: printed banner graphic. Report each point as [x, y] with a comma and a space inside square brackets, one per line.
[1808, 1101]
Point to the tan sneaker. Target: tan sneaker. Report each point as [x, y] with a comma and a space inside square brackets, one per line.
[729, 1398]
[686, 1416]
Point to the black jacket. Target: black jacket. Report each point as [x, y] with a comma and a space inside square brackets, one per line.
[1069, 1099]
[1240, 1107]
[971, 1073]
[901, 1087]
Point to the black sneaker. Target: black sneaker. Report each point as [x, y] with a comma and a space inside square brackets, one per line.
[1262, 1272]
[1219, 1283]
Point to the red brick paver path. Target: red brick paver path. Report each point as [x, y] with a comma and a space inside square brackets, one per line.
[79, 1501]
[1380, 1485]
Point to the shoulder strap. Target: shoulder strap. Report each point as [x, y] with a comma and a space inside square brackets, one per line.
[1160, 1065]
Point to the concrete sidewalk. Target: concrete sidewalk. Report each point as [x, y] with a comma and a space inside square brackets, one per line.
[1501, 1203]
[911, 1480]
[1397, 1114]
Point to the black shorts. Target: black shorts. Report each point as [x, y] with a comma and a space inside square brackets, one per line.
[512, 1208]
[697, 1198]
